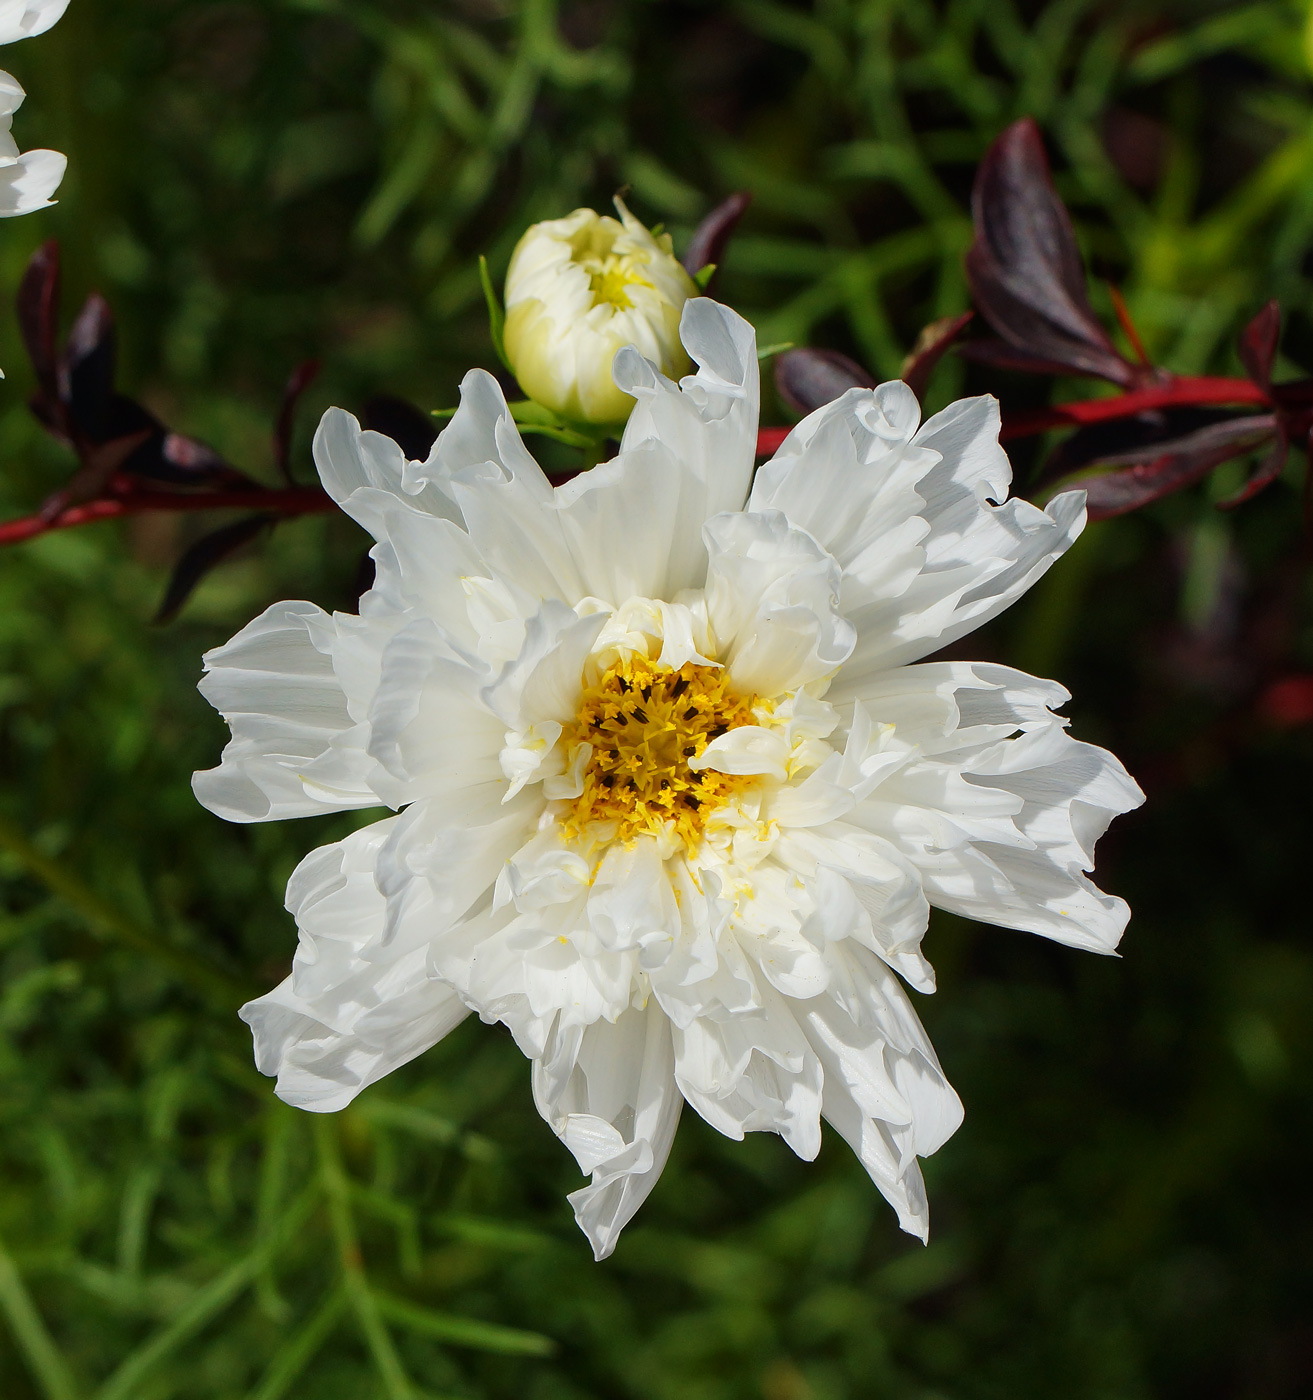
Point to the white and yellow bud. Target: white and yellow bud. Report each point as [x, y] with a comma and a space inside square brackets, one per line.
[579, 289]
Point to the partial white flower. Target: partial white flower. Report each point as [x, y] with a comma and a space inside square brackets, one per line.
[676, 789]
[578, 290]
[28, 180]
[21, 19]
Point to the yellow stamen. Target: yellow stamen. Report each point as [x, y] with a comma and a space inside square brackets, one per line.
[644, 722]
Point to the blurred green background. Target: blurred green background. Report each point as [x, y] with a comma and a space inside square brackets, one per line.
[1126, 1212]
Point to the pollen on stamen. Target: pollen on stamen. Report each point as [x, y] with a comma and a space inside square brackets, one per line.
[643, 722]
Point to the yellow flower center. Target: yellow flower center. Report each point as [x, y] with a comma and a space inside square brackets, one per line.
[610, 274]
[643, 723]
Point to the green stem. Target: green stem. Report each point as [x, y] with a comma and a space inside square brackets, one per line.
[36, 1344]
[356, 1282]
[108, 924]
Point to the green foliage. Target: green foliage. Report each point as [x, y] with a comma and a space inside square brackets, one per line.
[1125, 1212]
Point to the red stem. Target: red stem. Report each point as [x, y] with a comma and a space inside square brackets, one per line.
[299, 500]
[306, 500]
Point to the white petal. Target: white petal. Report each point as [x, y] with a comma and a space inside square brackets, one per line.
[707, 425]
[295, 750]
[609, 1093]
[480, 462]
[752, 1071]
[772, 600]
[431, 735]
[21, 19]
[1004, 829]
[349, 1013]
[885, 1092]
[908, 514]
[365, 473]
[29, 184]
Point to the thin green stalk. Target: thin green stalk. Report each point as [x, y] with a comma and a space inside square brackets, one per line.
[126, 1382]
[108, 924]
[356, 1282]
[39, 1351]
[300, 1348]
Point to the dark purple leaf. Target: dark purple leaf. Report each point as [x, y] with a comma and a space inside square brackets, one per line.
[1024, 267]
[301, 379]
[998, 354]
[204, 555]
[1258, 344]
[183, 461]
[1269, 469]
[710, 237]
[807, 378]
[413, 430]
[931, 346]
[101, 462]
[1132, 487]
[38, 311]
[1151, 434]
[87, 368]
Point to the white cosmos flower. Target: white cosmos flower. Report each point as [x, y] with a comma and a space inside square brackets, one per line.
[674, 795]
[580, 288]
[27, 180]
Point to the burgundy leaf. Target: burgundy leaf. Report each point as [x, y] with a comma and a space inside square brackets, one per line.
[101, 462]
[1024, 267]
[930, 347]
[38, 311]
[1258, 344]
[807, 378]
[998, 354]
[409, 427]
[204, 555]
[183, 461]
[1268, 470]
[301, 379]
[1150, 435]
[1133, 487]
[710, 237]
[87, 368]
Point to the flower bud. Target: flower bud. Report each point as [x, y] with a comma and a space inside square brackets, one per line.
[580, 288]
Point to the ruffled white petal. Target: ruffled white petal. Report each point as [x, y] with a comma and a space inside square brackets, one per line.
[21, 19]
[772, 601]
[885, 1092]
[908, 513]
[608, 1091]
[1002, 828]
[707, 426]
[355, 1006]
[295, 749]
[26, 181]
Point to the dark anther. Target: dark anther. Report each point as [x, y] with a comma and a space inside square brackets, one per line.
[607, 780]
[640, 715]
[624, 685]
[622, 719]
[693, 802]
[690, 751]
[691, 712]
[646, 692]
[679, 687]
[614, 755]
[719, 730]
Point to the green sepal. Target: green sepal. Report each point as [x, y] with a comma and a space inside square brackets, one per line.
[764, 352]
[531, 417]
[704, 275]
[496, 316]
